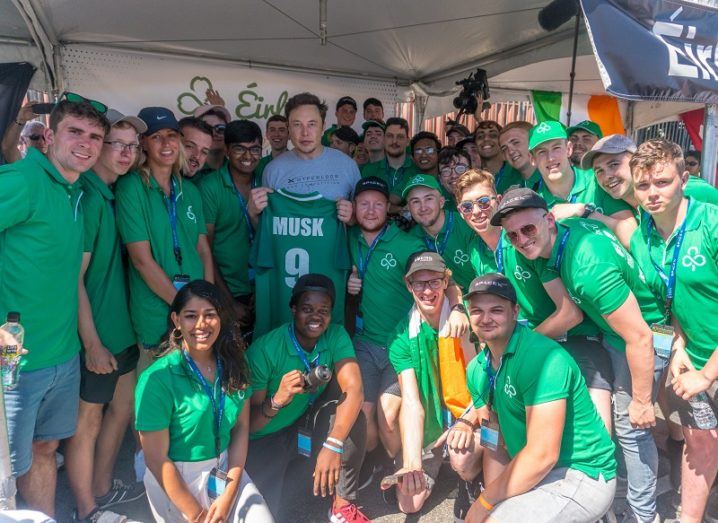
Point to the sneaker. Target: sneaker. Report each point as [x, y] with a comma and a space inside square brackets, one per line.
[120, 492]
[140, 466]
[99, 516]
[465, 498]
[349, 513]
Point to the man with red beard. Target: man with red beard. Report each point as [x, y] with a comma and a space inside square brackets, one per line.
[41, 229]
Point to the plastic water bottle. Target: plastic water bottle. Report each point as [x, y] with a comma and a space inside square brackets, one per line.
[702, 412]
[11, 350]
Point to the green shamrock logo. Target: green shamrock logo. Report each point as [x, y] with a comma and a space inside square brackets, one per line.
[188, 102]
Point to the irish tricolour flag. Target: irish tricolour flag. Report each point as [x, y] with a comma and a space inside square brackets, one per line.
[601, 109]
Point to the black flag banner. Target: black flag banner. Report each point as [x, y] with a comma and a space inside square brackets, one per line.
[14, 80]
[656, 49]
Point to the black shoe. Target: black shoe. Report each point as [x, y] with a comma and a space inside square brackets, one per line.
[120, 492]
[466, 496]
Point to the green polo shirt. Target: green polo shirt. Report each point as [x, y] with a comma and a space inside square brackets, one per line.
[699, 189]
[142, 216]
[535, 370]
[105, 281]
[454, 242]
[395, 178]
[695, 303]
[599, 274]
[586, 190]
[420, 353]
[223, 209]
[385, 299]
[259, 170]
[508, 178]
[169, 396]
[535, 305]
[273, 355]
[41, 246]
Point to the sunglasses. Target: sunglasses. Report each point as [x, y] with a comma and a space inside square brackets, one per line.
[419, 285]
[35, 137]
[425, 150]
[219, 128]
[692, 164]
[529, 231]
[77, 99]
[459, 168]
[483, 203]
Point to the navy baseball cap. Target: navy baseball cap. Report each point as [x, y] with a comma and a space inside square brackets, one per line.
[371, 183]
[492, 283]
[158, 118]
[346, 100]
[312, 282]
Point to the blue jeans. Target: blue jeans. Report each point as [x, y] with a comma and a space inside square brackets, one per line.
[42, 407]
[637, 445]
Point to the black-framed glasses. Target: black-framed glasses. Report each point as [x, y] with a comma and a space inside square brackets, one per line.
[76, 98]
[239, 150]
[459, 168]
[35, 137]
[529, 231]
[420, 285]
[483, 203]
[122, 147]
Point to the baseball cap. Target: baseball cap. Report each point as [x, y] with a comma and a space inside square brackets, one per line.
[346, 134]
[204, 109]
[469, 139]
[424, 261]
[545, 131]
[312, 282]
[514, 199]
[458, 128]
[158, 118]
[371, 183]
[114, 117]
[421, 180]
[611, 144]
[588, 126]
[346, 100]
[373, 123]
[492, 283]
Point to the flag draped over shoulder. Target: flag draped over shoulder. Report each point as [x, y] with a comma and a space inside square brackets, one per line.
[602, 109]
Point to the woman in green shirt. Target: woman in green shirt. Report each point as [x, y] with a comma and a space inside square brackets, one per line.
[193, 420]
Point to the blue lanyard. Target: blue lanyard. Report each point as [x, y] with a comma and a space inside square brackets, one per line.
[668, 279]
[171, 205]
[441, 247]
[301, 352]
[572, 199]
[217, 410]
[491, 375]
[499, 254]
[363, 261]
[500, 174]
[245, 212]
[561, 246]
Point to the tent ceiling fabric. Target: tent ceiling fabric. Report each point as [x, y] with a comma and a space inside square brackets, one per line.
[404, 39]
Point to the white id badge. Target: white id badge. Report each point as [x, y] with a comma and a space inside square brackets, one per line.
[662, 339]
[490, 435]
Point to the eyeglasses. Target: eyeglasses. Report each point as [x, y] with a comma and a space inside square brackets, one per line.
[122, 147]
[219, 128]
[425, 150]
[483, 203]
[35, 137]
[459, 168]
[529, 231]
[239, 150]
[419, 285]
[692, 164]
[76, 98]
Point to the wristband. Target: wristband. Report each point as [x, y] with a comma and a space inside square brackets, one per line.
[338, 450]
[262, 410]
[274, 404]
[335, 441]
[488, 506]
[466, 422]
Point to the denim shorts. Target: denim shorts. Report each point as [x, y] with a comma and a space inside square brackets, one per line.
[43, 406]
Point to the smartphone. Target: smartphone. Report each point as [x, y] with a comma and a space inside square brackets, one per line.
[43, 108]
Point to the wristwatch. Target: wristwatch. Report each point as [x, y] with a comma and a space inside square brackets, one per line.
[274, 404]
[459, 307]
[590, 209]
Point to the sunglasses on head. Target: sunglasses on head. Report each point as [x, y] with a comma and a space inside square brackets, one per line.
[76, 98]
[483, 203]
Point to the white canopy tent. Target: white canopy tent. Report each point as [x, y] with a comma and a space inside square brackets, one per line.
[417, 46]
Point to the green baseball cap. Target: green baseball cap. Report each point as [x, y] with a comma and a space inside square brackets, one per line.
[420, 180]
[588, 126]
[545, 131]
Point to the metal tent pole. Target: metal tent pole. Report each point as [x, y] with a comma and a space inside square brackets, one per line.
[7, 481]
[710, 144]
